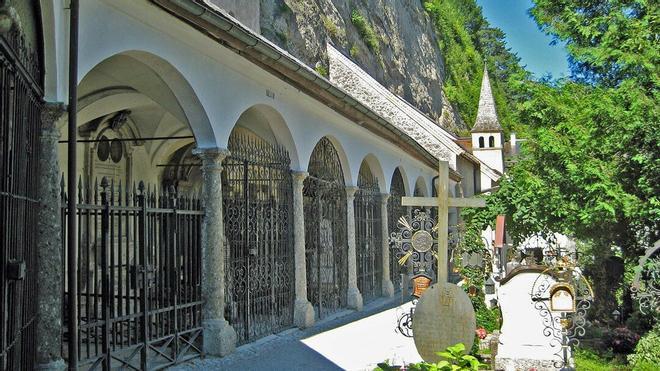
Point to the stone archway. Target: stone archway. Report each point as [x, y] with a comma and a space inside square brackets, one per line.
[368, 234]
[137, 121]
[326, 246]
[257, 205]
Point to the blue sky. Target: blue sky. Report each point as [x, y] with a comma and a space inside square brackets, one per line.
[524, 37]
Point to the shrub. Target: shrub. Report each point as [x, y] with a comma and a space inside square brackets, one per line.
[355, 51]
[454, 359]
[331, 27]
[622, 340]
[321, 70]
[647, 351]
[366, 31]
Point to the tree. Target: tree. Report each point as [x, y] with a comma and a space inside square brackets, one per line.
[609, 41]
[591, 166]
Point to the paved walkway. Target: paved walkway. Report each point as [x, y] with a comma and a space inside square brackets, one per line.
[348, 340]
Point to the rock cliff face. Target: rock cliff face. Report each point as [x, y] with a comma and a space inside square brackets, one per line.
[393, 40]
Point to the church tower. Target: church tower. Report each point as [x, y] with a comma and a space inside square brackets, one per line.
[487, 133]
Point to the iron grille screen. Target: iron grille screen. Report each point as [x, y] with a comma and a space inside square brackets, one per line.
[324, 201]
[257, 198]
[139, 276]
[20, 122]
[369, 246]
[395, 211]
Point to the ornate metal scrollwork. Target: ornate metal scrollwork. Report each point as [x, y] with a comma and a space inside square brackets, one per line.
[565, 328]
[404, 320]
[415, 244]
[417, 241]
[646, 284]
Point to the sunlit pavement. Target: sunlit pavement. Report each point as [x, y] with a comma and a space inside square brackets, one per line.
[348, 341]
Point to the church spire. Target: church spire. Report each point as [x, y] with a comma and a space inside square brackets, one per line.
[487, 120]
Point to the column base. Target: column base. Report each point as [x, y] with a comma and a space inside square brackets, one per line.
[303, 314]
[388, 288]
[56, 365]
[219, 337]
[354, 299]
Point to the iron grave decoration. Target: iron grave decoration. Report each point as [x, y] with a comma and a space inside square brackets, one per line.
[646, 284]
[416, 243]
[563, 296]
[443, 315]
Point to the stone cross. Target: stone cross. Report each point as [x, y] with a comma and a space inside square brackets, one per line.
[443, 202]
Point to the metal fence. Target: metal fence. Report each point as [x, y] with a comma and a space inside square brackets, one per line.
[20, 121]
[368, 236]
[395, 211]
[326, 245]
[257, 199]
[139, 276]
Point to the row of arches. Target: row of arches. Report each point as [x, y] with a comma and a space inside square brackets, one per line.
[257, 199]
[146, 102]
[148, 98]
[135, 127]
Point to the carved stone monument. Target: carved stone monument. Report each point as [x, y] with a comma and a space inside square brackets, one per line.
[443, 317]
[524, 343]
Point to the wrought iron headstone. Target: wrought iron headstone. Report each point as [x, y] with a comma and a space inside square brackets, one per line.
[416, 241]
[646, 284]
[562, 295]
[415, 244]
[446, 315]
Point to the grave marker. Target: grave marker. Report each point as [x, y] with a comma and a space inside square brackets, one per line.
[444, 314]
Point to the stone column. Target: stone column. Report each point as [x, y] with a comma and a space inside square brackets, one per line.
[354, 296]
[388, 287]
[49, 244]
[303, 312]
[219, 336]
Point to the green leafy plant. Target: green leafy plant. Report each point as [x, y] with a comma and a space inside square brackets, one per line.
[321, 70]
[355, 51]
[366, 31]
[332, 28]
[647, 350]
[454, 359]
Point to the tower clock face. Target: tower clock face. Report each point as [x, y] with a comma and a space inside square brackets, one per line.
[422, 241]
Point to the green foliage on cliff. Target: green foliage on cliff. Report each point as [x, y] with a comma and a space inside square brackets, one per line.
[366, 31]
[467, 42]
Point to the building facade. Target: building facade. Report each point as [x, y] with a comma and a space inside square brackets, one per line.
[226, 190]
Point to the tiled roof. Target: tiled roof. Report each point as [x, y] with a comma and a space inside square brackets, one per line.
[487, 119]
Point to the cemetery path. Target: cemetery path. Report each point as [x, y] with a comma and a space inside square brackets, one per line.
[348, 340]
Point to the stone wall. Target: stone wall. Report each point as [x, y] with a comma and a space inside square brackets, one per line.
[246, 11]
[408, 60]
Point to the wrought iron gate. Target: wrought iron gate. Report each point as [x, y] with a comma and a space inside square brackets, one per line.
[139, 276]
[395, 211]
[368, 236]
[257, 198]
[325, 231]
[21, 77]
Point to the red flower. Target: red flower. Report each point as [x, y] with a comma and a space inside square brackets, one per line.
[481, 333]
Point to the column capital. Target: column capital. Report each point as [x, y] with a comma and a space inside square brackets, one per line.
[350, 191]
[211, 157]
[299, 176]
[384, 197]
[51, 112]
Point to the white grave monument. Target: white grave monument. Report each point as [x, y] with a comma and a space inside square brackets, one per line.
[523, 344]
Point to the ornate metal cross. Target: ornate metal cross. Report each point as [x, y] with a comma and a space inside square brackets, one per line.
[443, 202]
